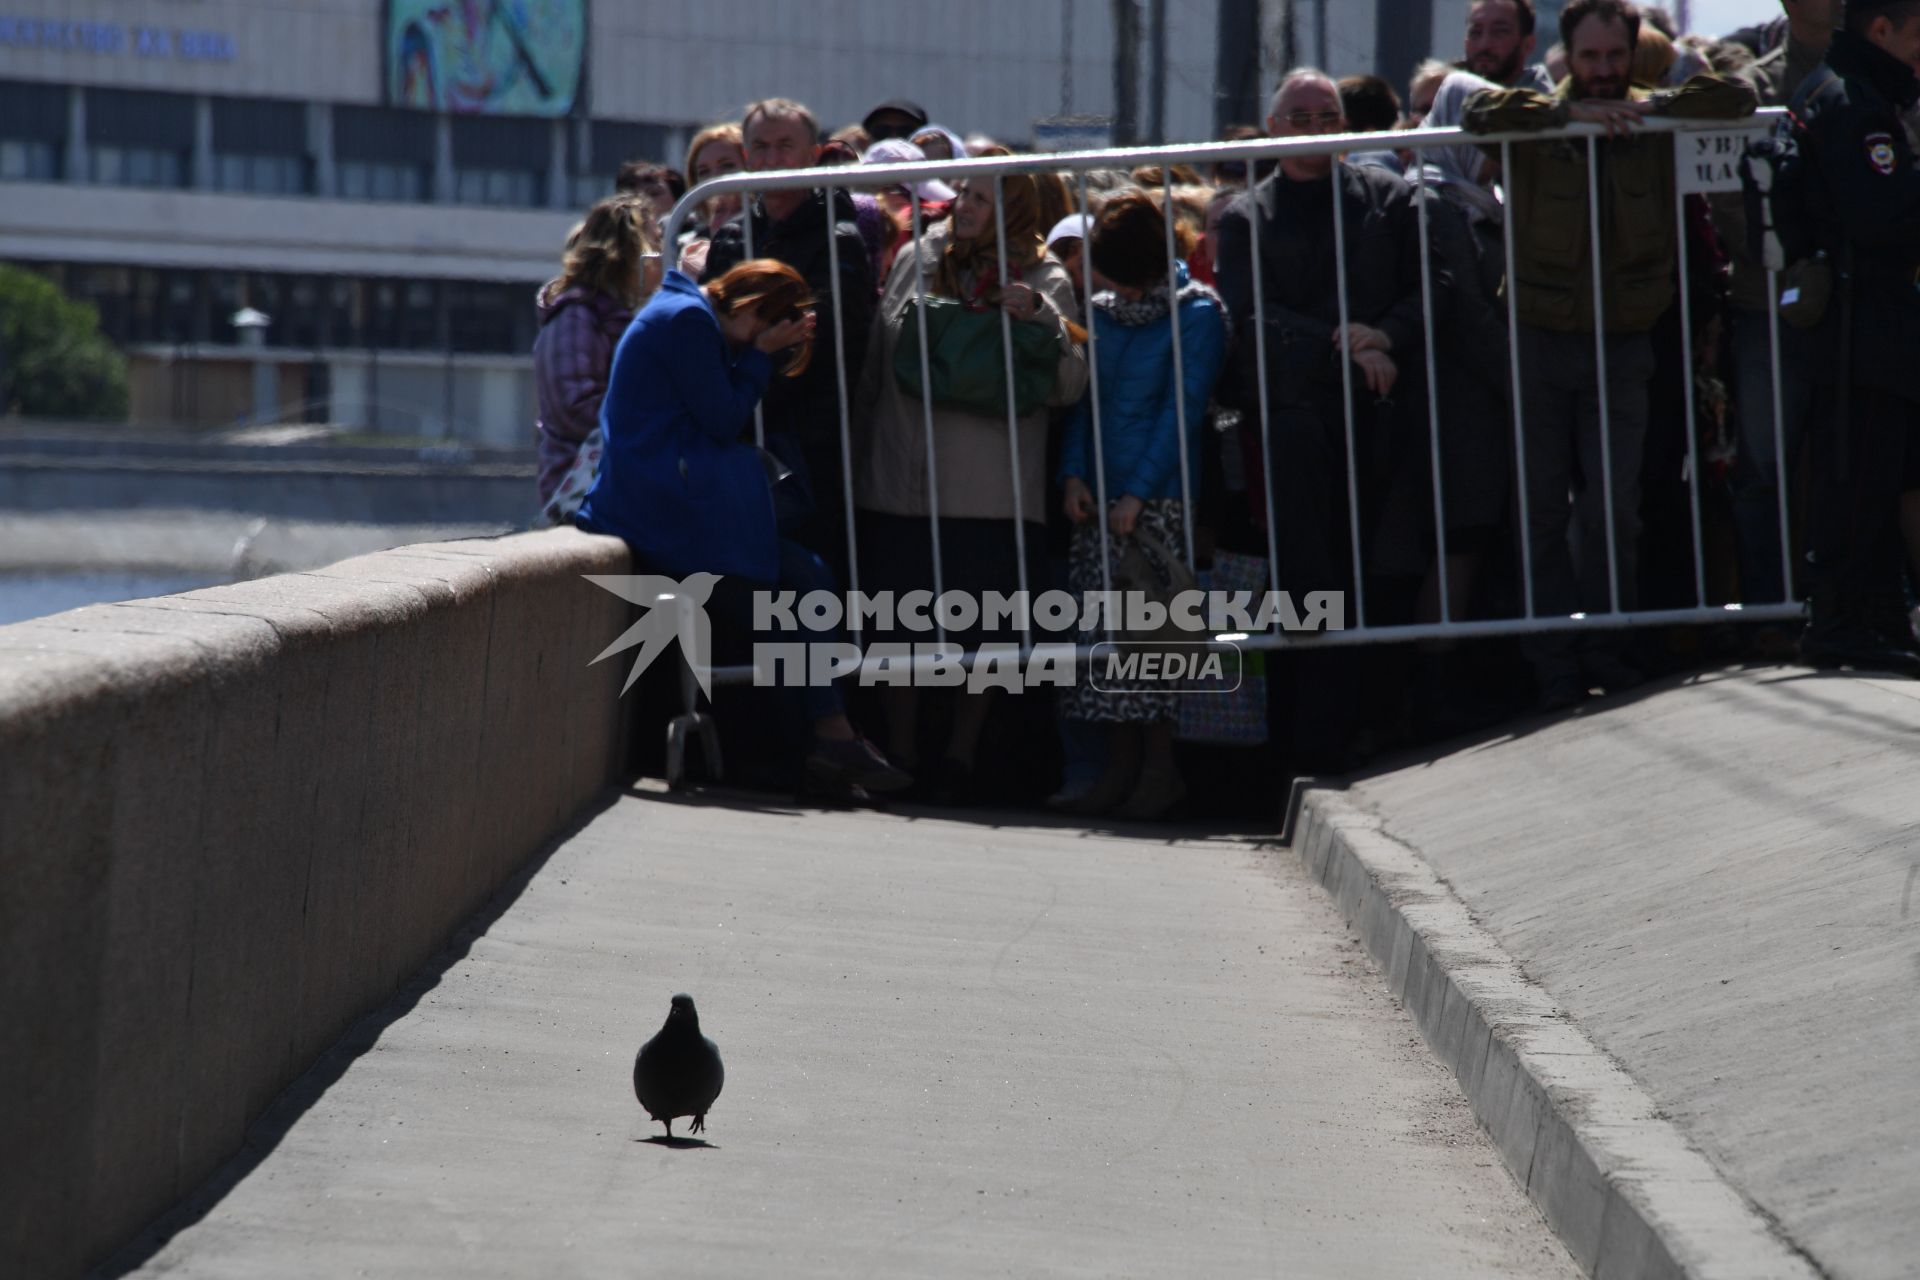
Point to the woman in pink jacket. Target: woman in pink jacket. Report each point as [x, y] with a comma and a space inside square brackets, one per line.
[612, 265]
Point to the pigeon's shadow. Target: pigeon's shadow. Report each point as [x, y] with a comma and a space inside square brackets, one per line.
[679, 1144]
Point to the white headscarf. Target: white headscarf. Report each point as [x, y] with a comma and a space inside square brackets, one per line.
[954, 140]
[1458, 168]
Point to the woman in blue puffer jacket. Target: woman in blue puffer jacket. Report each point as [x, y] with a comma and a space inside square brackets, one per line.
[1140, 445]
[683, 485]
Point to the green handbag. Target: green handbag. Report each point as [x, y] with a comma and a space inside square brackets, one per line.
[969, 367]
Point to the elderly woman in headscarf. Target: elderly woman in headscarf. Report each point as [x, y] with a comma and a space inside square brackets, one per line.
[1465, 228]
[941, 143]
[971, 483]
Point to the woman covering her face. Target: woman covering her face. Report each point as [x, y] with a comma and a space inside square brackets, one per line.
[685, 487]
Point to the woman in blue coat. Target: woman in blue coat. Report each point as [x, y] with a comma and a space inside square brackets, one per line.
[686, 488]
[1140, 446]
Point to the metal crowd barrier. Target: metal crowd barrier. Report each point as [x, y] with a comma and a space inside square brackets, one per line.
[864, 177]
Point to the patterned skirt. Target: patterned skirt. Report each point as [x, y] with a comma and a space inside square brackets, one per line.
[1123, 702]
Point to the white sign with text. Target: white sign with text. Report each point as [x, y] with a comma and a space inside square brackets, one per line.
[1709, 161]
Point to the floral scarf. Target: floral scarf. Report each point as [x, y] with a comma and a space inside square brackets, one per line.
[1153, 305]
[979, 258]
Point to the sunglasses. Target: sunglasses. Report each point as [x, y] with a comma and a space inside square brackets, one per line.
[1308, 119]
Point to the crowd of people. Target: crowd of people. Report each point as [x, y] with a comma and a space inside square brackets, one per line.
[809, 306]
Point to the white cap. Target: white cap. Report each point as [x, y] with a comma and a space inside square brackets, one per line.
[1072, 227]
[900, 151]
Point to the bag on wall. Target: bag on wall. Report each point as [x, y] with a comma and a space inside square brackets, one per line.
[1230, 716]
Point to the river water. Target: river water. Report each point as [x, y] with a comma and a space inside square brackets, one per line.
[35, 595]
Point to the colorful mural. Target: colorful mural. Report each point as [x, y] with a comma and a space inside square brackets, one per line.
[486, 57]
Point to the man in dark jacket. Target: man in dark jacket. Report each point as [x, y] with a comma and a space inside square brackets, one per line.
[803, 414]
[1311, 366]
[1862, 113]
[1292, 213]
[1561, 370]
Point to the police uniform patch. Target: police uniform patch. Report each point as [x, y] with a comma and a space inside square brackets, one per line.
[1880, 153]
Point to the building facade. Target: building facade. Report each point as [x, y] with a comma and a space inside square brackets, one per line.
[389, 181]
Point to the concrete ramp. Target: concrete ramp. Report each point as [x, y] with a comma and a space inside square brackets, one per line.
[952, 1049]
[1716, 883]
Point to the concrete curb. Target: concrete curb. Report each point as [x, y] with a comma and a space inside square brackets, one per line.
[1614, 1177]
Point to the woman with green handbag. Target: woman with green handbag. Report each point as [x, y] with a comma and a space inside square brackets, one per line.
[971, 485]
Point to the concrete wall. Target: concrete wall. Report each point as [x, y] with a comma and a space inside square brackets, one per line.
[232, 821]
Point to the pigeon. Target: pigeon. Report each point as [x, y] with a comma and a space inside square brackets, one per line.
[678, 1072]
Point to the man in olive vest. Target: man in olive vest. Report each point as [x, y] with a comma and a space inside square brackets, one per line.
[1562, 366]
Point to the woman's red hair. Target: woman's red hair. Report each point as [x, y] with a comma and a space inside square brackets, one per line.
[770, 288]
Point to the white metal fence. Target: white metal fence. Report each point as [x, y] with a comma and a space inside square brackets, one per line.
[1359, 629]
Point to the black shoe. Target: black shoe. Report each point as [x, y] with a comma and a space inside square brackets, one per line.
[1610, 671]
[1560, 693]
[1557, 680]
[1856, 648]
[855, 762]
[1891, 618]
[954, 785]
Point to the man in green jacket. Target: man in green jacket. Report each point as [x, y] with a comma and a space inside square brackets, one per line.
[1561, 371]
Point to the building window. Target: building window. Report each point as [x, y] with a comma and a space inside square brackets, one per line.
[299, 318]
[374, 180]
[260, 146]
[33, 131]
[516, 188]
[28, 161]
[382, 154]
[224, 294]
[346, 320]
[483, 317]
[262, 175]
[139, 139]
[110, 290]
[137, 166]
[501, 160]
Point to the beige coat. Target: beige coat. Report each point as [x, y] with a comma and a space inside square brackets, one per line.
[970, 451]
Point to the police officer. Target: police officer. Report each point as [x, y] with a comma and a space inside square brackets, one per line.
[1864, 194]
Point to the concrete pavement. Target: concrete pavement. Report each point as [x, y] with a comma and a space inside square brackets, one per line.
[1716, 883]
[952, 1049]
